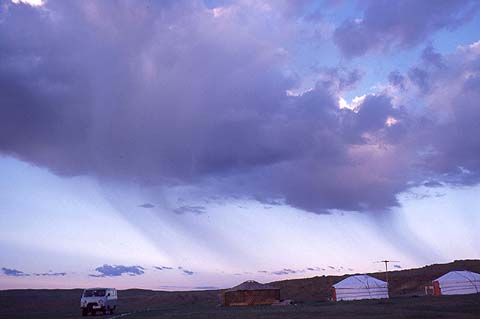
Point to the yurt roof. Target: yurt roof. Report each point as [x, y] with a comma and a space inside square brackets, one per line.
[360, 281]
[251, 285]
[459, 275]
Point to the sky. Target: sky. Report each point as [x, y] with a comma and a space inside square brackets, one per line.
[179, 145]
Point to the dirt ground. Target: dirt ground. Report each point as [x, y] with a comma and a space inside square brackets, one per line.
[40, 304]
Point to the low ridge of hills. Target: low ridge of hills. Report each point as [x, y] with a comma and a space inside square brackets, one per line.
[408, 282]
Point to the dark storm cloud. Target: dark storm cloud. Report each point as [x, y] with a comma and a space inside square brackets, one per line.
[14, 272]
[452, 147]
[118, 270]
[164, 93]
[371, 118]
[400, 24]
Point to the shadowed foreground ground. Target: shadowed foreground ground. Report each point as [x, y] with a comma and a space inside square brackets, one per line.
[40, 304]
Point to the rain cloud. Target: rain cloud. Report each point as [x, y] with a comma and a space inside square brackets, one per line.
[170, 94]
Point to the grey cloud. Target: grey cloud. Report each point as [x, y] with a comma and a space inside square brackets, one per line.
[163, 268]
[14, 272]
[50, 274]
[420, 77]
[18, 273]
[400, 24]
[198, 210]
[186, 271]
[339, 79]
[431, 57]
[284, 271]
[397, 79]
[118, 270]
[432, 184]
[147, 205]
[449, 142]
[397, 266]
[280, 272]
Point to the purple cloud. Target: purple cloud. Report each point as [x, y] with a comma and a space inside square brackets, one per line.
[118, 270]
[181, 97]
[13, 272]
[400, 24]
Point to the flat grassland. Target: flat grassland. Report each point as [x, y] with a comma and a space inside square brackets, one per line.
[43, 304]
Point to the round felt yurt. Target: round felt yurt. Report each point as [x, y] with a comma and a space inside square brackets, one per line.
[250, 293]
[457, 283]
[360, 287]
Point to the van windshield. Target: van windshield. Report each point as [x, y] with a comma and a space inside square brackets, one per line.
[94, 293]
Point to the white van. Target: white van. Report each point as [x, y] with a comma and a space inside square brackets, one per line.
[98, 299]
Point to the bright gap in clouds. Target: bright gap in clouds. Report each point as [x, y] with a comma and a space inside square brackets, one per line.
[33, 3]
[354, 103]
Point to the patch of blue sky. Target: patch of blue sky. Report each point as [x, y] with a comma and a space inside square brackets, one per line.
[447, 41]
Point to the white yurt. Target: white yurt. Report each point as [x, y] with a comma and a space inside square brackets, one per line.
[360, 287]
[457, 283]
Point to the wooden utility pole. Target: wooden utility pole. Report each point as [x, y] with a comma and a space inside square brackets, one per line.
[386, 267]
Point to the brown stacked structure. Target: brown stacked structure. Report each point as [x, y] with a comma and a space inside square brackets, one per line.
[250, 293]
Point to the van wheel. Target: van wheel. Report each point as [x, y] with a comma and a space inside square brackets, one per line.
[111, 310]
[84, 312]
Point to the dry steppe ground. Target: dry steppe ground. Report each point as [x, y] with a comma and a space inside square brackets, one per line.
[406, 290]
[53, 304]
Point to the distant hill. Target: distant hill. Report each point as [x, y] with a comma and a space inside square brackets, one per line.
[409, 282]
